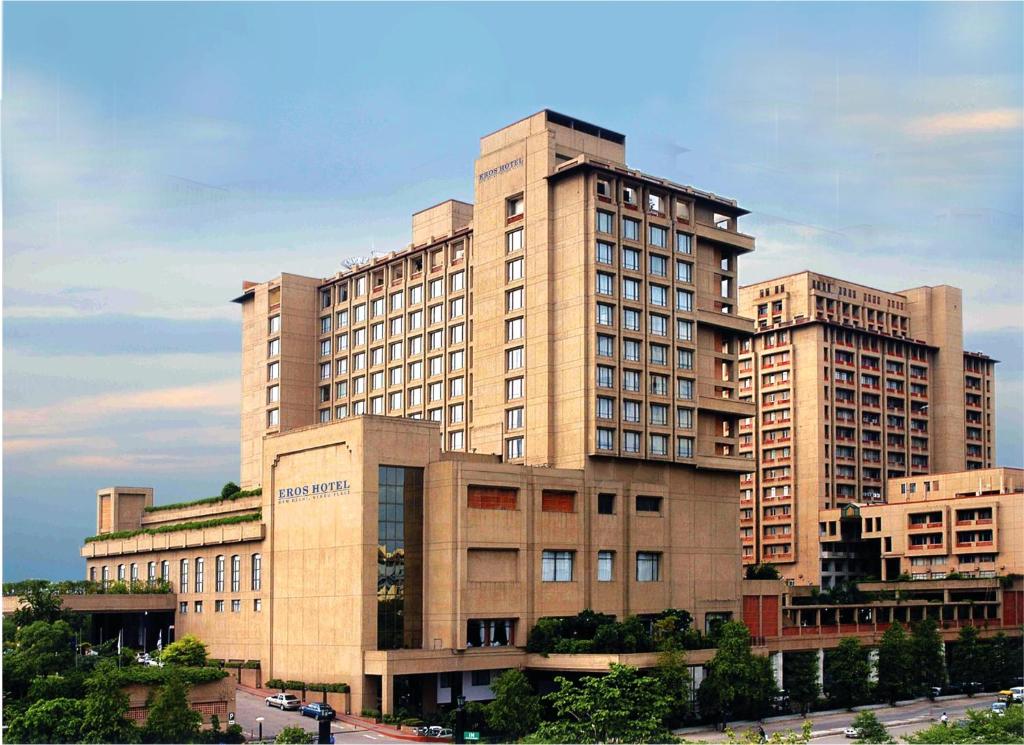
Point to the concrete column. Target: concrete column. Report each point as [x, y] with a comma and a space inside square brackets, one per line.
[821, 668]
[873, 663]
[775, 658]
[387, 691]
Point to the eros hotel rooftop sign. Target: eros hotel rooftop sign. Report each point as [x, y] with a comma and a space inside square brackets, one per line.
[307, 492]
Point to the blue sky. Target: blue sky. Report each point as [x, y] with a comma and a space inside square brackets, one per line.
[155, 155]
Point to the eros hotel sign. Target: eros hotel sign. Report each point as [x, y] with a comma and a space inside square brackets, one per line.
[306, 492]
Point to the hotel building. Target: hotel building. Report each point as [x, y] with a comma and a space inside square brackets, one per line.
[855, 388]
[530, 410]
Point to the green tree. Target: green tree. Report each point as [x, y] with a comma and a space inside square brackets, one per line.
[292, 736]
[869, 729]
[847, 673]
[897, 676]
[979, 726]
[737, 682]
[230, 489]
[1004, 661]
[673, 675]
[188, 651]
[762, 571]
[929, 655]
[41, 648]
[69, 684]
[49, 720]
[106, 708]
[515, 710]
[967, 659]
[171, 719]
[800, 674]
[622, 706]
[39, 601]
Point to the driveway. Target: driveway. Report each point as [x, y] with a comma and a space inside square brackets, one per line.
[249, 706]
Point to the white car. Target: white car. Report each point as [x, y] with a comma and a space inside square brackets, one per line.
[283, 701]
[999, 708]
[851, 732]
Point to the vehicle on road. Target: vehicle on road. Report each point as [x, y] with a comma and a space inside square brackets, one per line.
[851, 732]
[1017, 693]
[283, 701]
[445, 732]
[318, 711]
[999, 708]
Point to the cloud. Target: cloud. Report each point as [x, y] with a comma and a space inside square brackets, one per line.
[966, 122]
[148, 462]
[23, 445]
[87, 412]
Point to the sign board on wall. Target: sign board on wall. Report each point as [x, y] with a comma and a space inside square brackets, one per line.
[503, 168]
[307, 492]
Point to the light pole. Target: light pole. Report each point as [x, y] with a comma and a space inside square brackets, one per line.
[460, 720]
[259, 723]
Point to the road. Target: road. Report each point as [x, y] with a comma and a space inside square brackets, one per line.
[249, 706]
[911, 717]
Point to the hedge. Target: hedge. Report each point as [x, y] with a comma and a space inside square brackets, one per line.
[194, 525]
[258, 491]
[297, 685]
[85, 587]
[150, 675]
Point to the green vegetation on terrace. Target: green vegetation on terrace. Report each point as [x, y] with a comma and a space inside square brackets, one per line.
[241, 494]
[301, 685]
[147, 675]
[85, 587]
[175, 527]
[590, 632]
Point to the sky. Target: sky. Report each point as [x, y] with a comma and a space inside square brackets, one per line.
[156, 155]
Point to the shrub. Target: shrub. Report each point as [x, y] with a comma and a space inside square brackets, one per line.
[251, 664]
[147, 675]
[207, 500]
[370, 713]
[193, 525]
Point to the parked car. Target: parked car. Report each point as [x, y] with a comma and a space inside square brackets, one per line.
[444, 733]
[283, 701]
[999, 708]
[1017, 693]
[851, 732]
[318, 711]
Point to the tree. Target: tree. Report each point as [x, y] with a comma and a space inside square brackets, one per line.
[762, 571]
[1004, 656]
[847, 673]
[41, 648]
[230, 489]
[188, 651]
[515, 710]
[800, 673]
[673, 675]
[929, 656]
[737, 682]
[967, 663]
[106, 708]
[869, 729]
[622, 706]
[292, 736]
[171, 719]
[49, 720]
[896, 673]
[978, 726]
[39, 601]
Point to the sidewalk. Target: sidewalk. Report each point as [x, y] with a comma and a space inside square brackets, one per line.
[357, 724]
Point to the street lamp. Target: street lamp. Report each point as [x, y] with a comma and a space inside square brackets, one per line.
[259, 723]
[460, 719]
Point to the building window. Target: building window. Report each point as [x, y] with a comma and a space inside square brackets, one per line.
[658, 265]
[257, 605]
[273, 417]
[182, 575]
[684, 359]
[514, 358]
[493, 632]
[605, 314]
[236, 573]
[515, 206]
[630, 229]
[274, 347]
[630, 380]
[631, 442]
[684, 418]
[273, 371]
[218, 606]
[648, 566]
[198, 606]
[605, 345]
[605, 563]
[236, 606]
[514, 419]
[659, 325]
[684, 272]
[606, 504]
[514, 299]
[556, 566]
[684, 330]
[648, 504]
[134, 572]
[456, 441]
[657, 236]
[659, 444]
[514, 241]
[513, 329]
[513, 389]
[274, 324]
[120, 573]
[151, 572]
[684, 301]
[684, 389]
[631, 259]
[514, 448]
[257, 571]
[200, 573]
[605, 376]
[605, 408]
[683, 244]
[605, 222]
[491, 497]
[605, 253]
[183, 607]
[605, 439]
[514, 270]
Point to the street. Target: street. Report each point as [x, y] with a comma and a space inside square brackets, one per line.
[828, 728]
[249, 706]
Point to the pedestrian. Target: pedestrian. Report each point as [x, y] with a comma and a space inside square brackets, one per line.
[762, 736]
[944, 719]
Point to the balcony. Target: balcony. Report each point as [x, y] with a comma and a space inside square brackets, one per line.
[727, 321]
[727, 406]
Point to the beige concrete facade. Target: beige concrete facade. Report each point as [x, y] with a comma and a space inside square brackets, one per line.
[853, 386]
[530, 410]
[968, 522]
